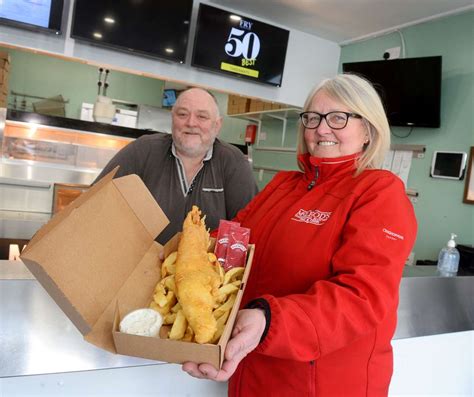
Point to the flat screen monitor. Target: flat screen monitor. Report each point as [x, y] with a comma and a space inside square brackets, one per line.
[448, 165]
[39, 15]
[410, 88]
[153, 28]
[238, 46]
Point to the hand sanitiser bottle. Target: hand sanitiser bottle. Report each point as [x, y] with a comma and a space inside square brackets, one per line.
[448, 259]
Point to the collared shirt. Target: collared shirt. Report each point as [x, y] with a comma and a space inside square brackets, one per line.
[223, 185]
[185, 186]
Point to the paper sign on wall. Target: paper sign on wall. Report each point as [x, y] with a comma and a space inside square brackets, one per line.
[401, 164]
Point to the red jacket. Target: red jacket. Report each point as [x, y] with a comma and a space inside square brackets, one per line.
[328, 260]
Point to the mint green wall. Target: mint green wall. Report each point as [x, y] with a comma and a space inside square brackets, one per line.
[273, 129]
[45, 76]
[439, 207]
[233, 129]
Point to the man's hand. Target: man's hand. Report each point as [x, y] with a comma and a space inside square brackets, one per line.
[248, 329]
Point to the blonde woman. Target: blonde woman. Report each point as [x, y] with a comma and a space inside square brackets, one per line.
[331, 241]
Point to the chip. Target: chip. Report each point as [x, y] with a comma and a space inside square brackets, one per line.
[179, 326]
[166, 303]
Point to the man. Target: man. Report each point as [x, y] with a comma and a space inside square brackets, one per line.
[190, 166]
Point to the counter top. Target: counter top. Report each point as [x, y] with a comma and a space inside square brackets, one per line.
[14, 270]
[37, 337]
[419, 271]
[435, 305]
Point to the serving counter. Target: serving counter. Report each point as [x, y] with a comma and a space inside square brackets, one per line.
[42, 353]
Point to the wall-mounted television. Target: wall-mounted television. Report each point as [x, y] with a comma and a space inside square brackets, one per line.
[410, 88]
[43, 15]
[152, 28]
[239, 46]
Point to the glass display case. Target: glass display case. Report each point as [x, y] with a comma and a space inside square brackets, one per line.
[46, 162]
[59, 146]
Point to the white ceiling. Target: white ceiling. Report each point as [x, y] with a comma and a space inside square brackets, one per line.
[341, 21]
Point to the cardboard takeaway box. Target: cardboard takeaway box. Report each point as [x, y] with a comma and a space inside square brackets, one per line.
[98, 260]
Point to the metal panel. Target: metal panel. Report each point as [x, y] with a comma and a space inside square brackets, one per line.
[154, 118]
[435, 305]
[32, 172]
[21, 224]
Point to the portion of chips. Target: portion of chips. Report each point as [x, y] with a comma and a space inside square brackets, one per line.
[166, 303]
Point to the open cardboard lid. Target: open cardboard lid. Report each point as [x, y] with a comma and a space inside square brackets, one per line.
[85, 255]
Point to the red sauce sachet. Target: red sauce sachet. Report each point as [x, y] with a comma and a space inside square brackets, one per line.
[237, 246]
[222, 239]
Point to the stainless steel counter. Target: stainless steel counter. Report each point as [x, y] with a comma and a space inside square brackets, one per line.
[37, 338]
[435, 305]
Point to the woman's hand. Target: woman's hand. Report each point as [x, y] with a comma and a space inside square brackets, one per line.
[248, 329]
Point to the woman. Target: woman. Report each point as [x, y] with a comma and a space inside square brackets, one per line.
[331, 242]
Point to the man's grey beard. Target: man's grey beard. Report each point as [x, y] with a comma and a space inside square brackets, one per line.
[193, 152]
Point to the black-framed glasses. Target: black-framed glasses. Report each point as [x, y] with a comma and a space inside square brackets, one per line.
[335, 120]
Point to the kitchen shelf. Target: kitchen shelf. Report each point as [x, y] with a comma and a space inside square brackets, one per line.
[282, 115]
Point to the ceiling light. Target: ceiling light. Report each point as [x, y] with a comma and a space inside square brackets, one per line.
[97, 35]
[109, 20]
[169, 50]
[235, 17]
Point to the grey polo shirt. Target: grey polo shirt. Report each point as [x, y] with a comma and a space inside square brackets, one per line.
[223, 185]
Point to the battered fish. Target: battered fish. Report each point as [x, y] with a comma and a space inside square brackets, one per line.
[196, 280]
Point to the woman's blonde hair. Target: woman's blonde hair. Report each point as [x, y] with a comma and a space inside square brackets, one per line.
[359, 96]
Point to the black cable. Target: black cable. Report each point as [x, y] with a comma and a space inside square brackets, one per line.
[405, 136]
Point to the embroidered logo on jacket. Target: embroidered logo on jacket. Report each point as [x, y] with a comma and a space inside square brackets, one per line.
[392, 235]
[315, 217]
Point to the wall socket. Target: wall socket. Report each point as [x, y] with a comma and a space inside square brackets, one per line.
[393, 53]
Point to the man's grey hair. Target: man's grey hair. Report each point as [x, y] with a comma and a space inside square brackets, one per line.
[205, 90]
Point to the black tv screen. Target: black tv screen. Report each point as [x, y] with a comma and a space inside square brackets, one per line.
[153, 28]
[43, 15]
[410, 88]
[239, 46]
